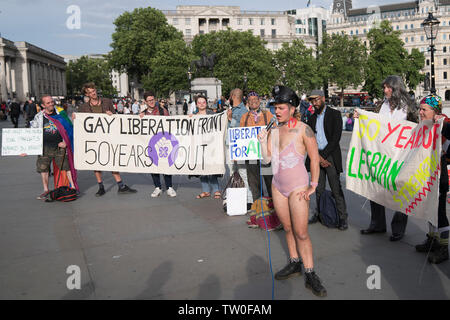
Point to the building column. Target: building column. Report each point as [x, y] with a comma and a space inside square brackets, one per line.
[8, 77]
[3, 89]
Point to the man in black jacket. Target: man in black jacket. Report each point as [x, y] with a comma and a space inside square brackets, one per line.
[327, 125]
[15, 113]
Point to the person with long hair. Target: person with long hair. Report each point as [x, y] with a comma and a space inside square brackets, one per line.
[397, 105]
[285, 147]
[437, 238]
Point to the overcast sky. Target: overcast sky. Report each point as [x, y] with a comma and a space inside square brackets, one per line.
[43, 22]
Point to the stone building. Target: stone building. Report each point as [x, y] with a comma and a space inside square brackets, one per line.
[29, 71]
[405, 17]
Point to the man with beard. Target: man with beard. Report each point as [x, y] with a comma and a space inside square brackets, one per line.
[327, 125]
[95, 104]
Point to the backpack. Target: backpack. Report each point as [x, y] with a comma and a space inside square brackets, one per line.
[270, 216]
[327, 210]
[64, 194]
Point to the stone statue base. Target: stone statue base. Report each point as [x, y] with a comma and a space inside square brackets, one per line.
[212, 86]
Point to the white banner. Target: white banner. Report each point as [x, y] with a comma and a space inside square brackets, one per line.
[244, 144]
[17, 141]
[396, 164]
[154, 144]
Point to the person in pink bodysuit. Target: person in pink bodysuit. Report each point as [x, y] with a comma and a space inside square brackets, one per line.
[291, 189]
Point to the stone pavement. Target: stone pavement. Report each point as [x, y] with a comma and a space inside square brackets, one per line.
[136, 247]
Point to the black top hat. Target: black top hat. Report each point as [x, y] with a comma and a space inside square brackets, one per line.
[282, 94]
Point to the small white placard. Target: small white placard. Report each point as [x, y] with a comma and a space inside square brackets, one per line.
[16, 141]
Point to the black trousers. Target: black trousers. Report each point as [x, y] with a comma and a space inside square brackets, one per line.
[336, 188]
[378, 219]
[254, 180]
[157, 180]
[15, 120]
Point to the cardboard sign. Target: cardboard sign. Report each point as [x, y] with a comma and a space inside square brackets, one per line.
[244, 144]
[17, 141]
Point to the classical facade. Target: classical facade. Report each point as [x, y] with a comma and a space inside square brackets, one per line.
[275, 27]
[28, 71]
[407, 18]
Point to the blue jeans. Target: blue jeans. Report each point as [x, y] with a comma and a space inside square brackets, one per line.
[209, 181]
[157, 180]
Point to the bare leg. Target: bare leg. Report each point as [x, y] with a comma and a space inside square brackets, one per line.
[44, 176]
[282, 209]
[299, 217]
[98, 175]
[116, 176]
[69, 176]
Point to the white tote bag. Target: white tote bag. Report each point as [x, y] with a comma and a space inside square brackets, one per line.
[236, 201]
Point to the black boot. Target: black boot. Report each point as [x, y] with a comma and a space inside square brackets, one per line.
[440, 255]
[290, 270]
[430, 244]
[312, 282]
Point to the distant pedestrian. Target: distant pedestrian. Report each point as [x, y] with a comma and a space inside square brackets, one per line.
[15, 113]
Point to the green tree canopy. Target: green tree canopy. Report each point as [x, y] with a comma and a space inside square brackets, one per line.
[389, 57]
[341, 61]
[238, 53]
[299, 64]
[87, 69]
[150, 50]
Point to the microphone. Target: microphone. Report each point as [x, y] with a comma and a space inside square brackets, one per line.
[270, 124]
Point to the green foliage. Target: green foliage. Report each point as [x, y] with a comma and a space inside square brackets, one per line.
[150, 50]
[87, 69]
[299, 65]
[169, 68]
[342, 60]
[389, 57]
[238, 53]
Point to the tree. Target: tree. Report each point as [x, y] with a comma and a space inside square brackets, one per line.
[87, 69]
[342, 60]
[299, 66]
[150, 50]
[238, 53]
[389, 57]
[169, 68]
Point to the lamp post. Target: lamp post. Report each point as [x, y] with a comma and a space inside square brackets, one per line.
[245, 83]
[431, 27]
[190, 78]
[132, 93]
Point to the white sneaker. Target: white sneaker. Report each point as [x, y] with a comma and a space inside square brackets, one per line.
[171, 192]
[156, 193]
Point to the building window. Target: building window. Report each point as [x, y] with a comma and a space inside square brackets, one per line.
[444, 49]
[274, 33]
[428, 62]
[187, 21]
[406, 39]
[262, 32]
[250, 21]
[272, 21]
[422, 38]
[412, 39]
[398, 27]
[406, 27]
[239, 21]
[412, 26]
[365, 31]
[175, 21]
[188, 32]
[445, 75]
[444, 37]
[356, 31]
[262, 21]
[351, 32]
[445, 62]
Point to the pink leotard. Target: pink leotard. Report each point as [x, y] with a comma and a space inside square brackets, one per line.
[289, 172]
